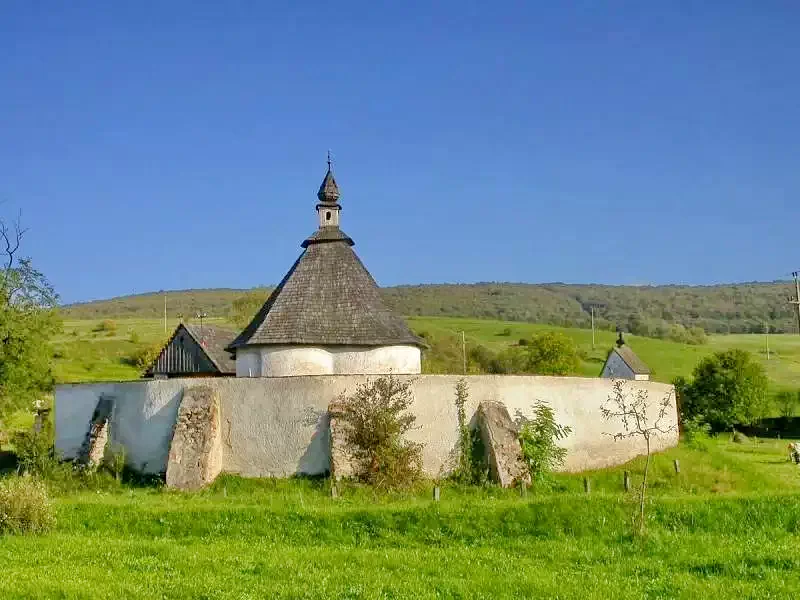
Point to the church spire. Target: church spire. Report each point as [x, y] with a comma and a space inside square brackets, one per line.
[328, 195]
[328, 192]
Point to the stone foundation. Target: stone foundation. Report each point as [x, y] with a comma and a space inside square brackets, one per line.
[195, 454]
[501, 442]
[95, 446]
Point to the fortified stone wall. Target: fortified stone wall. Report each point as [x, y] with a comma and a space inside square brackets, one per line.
[278, 426]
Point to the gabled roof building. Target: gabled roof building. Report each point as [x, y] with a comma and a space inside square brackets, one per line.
[623, 363]
[326, 316]
[194, 351]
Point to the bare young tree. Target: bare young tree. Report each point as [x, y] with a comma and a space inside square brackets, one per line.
[10, 237]
[21, 285]
[633, 410]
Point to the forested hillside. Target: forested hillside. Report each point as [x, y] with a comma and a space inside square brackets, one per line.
[645, 310]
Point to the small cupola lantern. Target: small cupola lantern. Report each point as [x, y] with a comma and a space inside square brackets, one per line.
[328, 208]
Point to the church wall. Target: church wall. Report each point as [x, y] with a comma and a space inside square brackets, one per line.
[248, 362]
[284, 361]
[279, 426]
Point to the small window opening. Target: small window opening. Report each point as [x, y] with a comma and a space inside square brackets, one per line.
[328, 216]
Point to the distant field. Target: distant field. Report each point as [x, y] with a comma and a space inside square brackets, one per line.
[84, 354]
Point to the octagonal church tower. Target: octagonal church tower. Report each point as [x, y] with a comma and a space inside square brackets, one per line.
[326, 316]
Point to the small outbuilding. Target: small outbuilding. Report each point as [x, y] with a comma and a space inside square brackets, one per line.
[623, 363]
[195, 351]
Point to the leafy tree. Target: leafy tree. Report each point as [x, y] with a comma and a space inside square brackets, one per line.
[728, 388]
[787, 402]
[552, 354]
[539, 438]
[27, 322]
[245, 307]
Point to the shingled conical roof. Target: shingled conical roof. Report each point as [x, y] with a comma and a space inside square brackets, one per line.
[327, 298]
[328, 191]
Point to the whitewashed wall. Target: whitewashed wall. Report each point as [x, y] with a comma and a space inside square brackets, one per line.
[289, 361]
[278, 426]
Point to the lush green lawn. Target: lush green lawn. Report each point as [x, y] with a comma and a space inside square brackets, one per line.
[726, 526]
[84, 354]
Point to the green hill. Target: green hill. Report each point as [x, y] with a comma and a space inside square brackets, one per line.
[87, 352]
[644, 310]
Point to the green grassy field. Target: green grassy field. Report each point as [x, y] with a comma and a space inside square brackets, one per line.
[83, 354]
[726, 526]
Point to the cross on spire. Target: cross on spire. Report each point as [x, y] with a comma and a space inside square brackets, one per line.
[330, 162]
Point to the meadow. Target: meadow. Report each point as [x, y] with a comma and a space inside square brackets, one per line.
[85, 353]
[725, 526]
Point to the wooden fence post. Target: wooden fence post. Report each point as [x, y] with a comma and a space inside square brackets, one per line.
[587, 486]
[677, 466]
[436, 493]
[626, 481]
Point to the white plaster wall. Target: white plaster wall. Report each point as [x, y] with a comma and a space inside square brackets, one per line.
[248, 362]
[142, 421]
[285, 361]
[279, 426]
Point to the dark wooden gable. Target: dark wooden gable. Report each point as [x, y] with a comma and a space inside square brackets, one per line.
[183, 355]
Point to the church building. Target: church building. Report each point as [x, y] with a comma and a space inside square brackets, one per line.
[326, 317]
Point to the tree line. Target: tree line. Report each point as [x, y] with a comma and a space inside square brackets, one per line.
[679, 313]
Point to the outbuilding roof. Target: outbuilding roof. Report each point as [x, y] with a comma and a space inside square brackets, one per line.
[630, 358]
[211, 339]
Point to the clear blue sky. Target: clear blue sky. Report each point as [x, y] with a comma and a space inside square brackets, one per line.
[166, 145]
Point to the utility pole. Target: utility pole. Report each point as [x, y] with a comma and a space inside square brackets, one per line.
[796, 299]
[592, 306]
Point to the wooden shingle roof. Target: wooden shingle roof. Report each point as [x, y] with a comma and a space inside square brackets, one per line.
[208, 354]
[630, 358]
[327, 298]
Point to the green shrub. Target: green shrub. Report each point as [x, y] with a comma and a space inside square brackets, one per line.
[728, 388]
[134, 338]
[545, 354]
[375, 418]
[35, 452]
[24, 506]
[739, 438]
[538, 438]
[116, 461]
[786, 402]
[106, 325]
[470, 461]
[697, 434]
[143, 357]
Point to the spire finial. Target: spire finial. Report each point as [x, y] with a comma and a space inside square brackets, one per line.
[328, 192]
